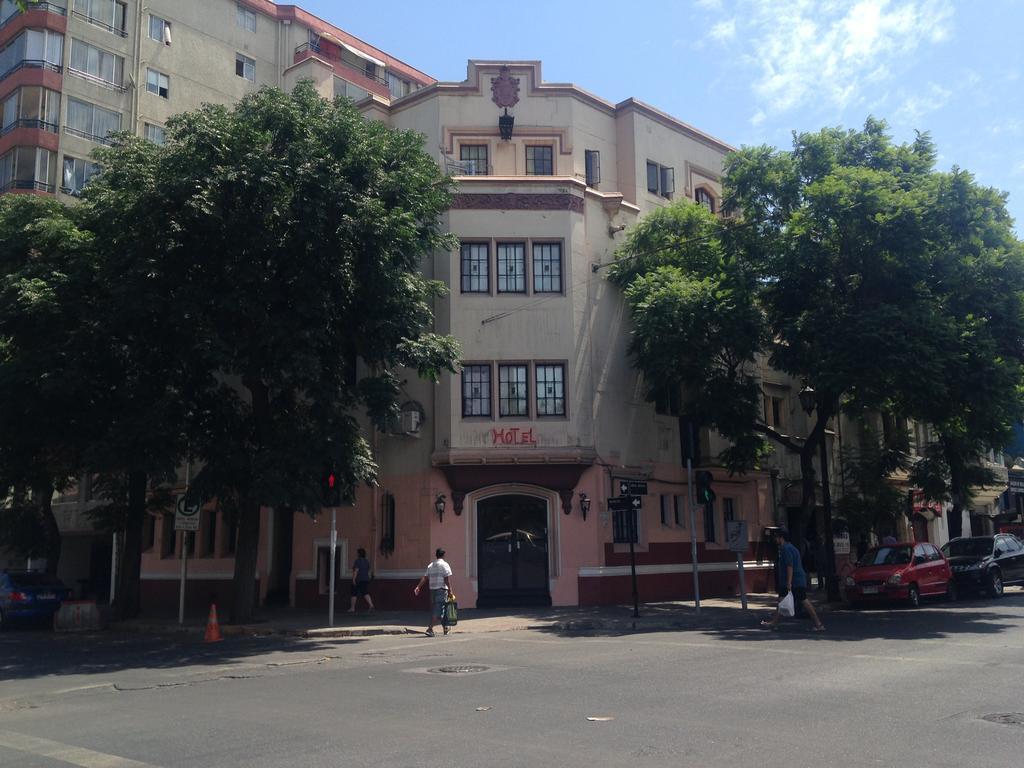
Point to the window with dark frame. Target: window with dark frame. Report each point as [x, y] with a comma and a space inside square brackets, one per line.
[678, 511]
[477, 155]
[703, 197]
[550, 389]
[653, 177]
[511, 267]
[547, 267]
[661, 180]
[210, 535]
[663, 508]
[709, 522]
[476, 390]
[230, 532]
[148, 532]
[540, 160]
[728, 510]
[513, 391]
[168, 536]
[475, 267]
[592, 160]
[158, 83]
[245, 67]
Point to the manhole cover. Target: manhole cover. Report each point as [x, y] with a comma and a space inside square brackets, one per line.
[1005, 718]
[464, 669]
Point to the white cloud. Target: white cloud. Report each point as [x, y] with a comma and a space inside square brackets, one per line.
[916, 105]
[833, 53]
[710, 5]
[723, 30]
[758, 118]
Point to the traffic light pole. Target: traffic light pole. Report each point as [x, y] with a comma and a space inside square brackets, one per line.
[691, 496]
[334, 551]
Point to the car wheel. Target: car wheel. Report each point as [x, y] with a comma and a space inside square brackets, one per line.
[914, 596]
[951, 594]
[995, 583]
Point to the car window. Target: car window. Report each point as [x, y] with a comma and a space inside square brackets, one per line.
[1013, 544]
[34, 580]
[980, 546]
[920, 552]
[999, 547]
[886, 556]
[933, 553]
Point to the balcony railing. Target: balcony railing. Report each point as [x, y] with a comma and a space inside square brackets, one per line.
[88, 136]
[40, 125]
[97, 80]
[334, 58]
[99, 23]
[454, 167]
[39, 186]
[32, 64]
[48, 7]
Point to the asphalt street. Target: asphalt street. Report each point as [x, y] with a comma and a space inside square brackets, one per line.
[889, 687]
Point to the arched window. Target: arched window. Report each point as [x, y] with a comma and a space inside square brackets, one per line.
[705, 198]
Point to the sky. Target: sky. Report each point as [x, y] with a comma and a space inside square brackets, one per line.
[752, 71]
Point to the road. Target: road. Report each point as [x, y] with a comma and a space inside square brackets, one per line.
[880, 688]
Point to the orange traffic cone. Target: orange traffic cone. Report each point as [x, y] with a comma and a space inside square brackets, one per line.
[212, 626]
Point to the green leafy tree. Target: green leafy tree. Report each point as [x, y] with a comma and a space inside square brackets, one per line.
[44, 297]
[294, 230]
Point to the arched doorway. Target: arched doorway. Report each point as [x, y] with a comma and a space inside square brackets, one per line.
[512, 551]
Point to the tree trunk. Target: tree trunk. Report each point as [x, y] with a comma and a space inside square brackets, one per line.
[128, 601]
[42, 500]
[243, 602]
[808, 481]
[958, 492]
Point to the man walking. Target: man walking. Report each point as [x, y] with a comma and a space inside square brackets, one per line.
[791, 577]
[361, 581]
[438, 578]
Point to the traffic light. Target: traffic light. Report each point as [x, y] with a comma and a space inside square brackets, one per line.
[330, 488]
[703, 485]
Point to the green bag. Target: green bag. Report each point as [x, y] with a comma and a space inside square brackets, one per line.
[451, 612]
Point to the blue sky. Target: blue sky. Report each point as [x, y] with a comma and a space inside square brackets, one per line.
[752, 71]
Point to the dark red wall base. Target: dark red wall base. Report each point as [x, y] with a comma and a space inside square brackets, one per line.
[656, 587]
[160, 598]
[387, 594]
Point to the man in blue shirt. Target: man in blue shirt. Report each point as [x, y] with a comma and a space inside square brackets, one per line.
[791, 577]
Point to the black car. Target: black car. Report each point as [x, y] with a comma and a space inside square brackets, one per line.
[986, 563]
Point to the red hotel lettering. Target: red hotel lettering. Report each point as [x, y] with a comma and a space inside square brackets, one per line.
[512, 436]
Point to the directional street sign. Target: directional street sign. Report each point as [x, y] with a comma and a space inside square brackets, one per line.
[186, 514]
[629, 487]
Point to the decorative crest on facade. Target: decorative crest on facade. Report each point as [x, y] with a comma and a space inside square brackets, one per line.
[505, 89]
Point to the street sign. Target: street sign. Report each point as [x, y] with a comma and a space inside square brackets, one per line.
[841, 543]
[186, 514]
[736, 535]
[629, 487]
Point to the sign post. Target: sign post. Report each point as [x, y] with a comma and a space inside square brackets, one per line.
[186, 519]
[334, 551]
[736, 536]
[626, 509]
[691, 497]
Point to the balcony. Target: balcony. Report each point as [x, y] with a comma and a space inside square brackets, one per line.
[39, 125]
[107, 140]
[37, 7]
[32, 64]
[27, 185]
[358, 75]
[99, 23]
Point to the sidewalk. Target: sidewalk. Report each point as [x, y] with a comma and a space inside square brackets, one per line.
[715, 613]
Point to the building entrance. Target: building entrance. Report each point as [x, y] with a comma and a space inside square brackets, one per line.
[512, 549]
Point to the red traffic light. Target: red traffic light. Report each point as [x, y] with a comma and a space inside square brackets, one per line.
[331, 481]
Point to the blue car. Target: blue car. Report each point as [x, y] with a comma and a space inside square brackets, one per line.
[30, 595]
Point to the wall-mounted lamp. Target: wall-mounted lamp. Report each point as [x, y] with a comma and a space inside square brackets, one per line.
[505, 123]
[584, 504]
[439, 504]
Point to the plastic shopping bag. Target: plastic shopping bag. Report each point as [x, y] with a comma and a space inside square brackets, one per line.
[451, 611]
[786, 606]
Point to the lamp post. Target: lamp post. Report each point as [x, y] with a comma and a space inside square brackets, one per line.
[809, 401]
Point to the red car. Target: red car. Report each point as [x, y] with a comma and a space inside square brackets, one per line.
[901, 572]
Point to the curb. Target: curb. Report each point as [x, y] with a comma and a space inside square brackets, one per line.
[332, 632]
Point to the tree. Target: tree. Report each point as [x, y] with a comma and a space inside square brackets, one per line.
[44, 296]
[294, 230]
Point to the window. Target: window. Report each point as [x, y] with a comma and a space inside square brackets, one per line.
[728, 510]
[246, 18]
[511, 268]
[210, 535]
[77, 174]
[775, 411]
[28, 168]
[539, 160]
[159, 29]
[245, 67]
[31, 106]
[660, 180]
[148, 532]
[513, 391]
[96, 64]
[593, 163]
[397, 86]
[387, 523]
[709, 522]
[33, 48]
[679, 511]
[476, 390]
[158, 83]
[663, 506]
[168, 536]
[230, 532]
[476, 156]
[91, 122]
[703, 197]
[156, 134]
[550, 389]
[476, 258]
[547, 267]
[109, 14]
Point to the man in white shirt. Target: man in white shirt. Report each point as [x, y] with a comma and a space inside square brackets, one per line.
[438, 577]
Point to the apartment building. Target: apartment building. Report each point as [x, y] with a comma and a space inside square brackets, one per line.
[72, 72]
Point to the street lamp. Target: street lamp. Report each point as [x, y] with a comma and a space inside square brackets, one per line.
[439, 504]
[584, 504]
[808, 401]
